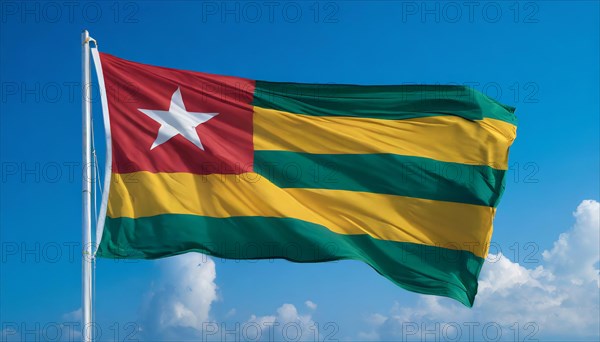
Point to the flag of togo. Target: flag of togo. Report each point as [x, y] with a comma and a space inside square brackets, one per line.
[405, 178]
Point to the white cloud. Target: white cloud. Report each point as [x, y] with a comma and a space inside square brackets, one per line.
[376, 319]
[73, 316]
[287, 324]
[179, 304]
[231, 313]
[309, 304]
[575, 254]
[557, 299]
[178, 308]
[68, 328]
[71, 325]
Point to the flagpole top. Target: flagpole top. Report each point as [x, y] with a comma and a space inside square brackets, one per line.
[85, 38]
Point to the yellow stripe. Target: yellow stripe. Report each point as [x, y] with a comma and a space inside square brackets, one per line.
[385, 217]
[443, 138]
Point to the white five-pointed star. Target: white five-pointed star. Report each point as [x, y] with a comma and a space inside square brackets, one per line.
[177, 120]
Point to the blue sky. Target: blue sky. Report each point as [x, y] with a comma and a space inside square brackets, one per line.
[541, 57]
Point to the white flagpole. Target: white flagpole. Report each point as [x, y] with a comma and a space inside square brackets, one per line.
[86, 259]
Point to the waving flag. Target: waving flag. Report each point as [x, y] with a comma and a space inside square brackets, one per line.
[405, 178]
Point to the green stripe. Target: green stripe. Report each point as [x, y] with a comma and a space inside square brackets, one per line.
[380, 102]
[384, 174]
[418, 268]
